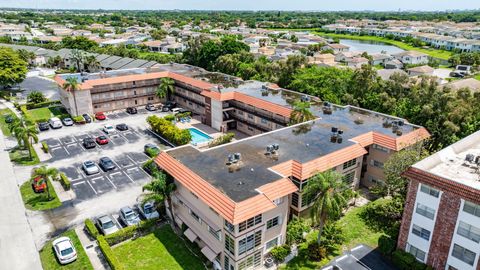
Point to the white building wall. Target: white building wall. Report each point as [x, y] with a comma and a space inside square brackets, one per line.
[217, 115]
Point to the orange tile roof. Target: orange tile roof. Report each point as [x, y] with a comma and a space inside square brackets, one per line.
[278, 189]
[263, 104]
[392, 143]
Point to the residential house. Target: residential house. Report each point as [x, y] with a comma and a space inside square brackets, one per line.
[412, 57]
[420, 70]
[357, 62]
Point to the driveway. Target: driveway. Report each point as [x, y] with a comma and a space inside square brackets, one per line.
[360, 257]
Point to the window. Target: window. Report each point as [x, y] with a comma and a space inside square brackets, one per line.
[229, 244]
[249, 223]
[375, 180]
[349, 177]
[251, 262]
[381, 148]
[264, 121]
[472, 208]
[376, 163]
[272, 243]
[150, 98]
[249, 242]
[463, 254]
[425, 211]
[250, 116]
[418, 253]
[421, 232]
[272, 222]
[349, 163]
[239, 112]
[429, 190]
[216, 234]
[250, 128]
[295, 199]
[229, 226]
[227, 262]
[195, 216]
[469, 231]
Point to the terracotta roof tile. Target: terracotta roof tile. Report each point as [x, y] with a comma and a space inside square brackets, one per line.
[278, 189]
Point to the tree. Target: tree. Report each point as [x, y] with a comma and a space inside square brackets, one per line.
[92, 62]
[26, 56]
[79, 43]
[166, 88]
[78, 57]
[71, 85]
[36, 97]
[326, 188]
[301, 113]
[25, 132]
[160, 189]
[45, 174]
[13, 69]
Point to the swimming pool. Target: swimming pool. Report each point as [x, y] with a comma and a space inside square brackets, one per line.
[198, 136]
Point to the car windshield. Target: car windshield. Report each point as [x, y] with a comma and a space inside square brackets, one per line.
[130, 215]
[109, 224]
[148, 209]
[67, 251]
[102, 137]
[109, 127]
[107, 161]
[89, 164]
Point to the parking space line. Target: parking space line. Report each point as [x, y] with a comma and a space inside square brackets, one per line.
[55, 148]
[115, 173]
[79, 183]
[116, 164]
[129, 177]
[131, 159]
[66, 150]
[111, 182]
[92, 187]
[96, 178]
[81, 173]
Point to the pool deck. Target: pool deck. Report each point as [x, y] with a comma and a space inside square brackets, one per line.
[195, 123]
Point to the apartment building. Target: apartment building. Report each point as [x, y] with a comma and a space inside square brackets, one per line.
[441, 221]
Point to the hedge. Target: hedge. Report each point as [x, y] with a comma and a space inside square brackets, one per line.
[45, 147]
[91, 228]
[31, 105]
[279, 253]
[406, 261]
[226, 138]
[65, 181]
[79, 119]
[129, 232]
[108, 253]
[169, 131]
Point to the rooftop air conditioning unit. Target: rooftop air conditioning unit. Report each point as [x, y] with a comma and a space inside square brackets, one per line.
[237, 156]
[327, 108]
[305, 98]
[470, 158]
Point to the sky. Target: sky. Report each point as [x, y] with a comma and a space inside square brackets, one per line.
[318, 5]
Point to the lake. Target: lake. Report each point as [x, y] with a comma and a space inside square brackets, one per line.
[369, 46]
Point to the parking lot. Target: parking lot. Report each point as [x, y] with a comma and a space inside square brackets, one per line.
[360, 257]
[125, 148]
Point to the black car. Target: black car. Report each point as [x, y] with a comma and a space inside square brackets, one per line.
[8, 118]
[169, 106]
[87, 118]
[131, 110]
[42, 126]
[122, 127]
[106, 164]
[89, 143]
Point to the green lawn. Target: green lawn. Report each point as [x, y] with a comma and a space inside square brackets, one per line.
[22, 157]
[477, 76]
[38, 201]
[49, 260]
[43, 114]
[441, 54]
[162, 249]
[355, 231]
[3, 125]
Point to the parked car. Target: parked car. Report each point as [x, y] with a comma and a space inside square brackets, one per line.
[90, 167]
[148, 210]
[122, 127]
[87, 118]
[128, 216]
[456, 74]
[108, 129]
[107, 164]
[42, 126]
[64, 250]
[55, 122]
[150, 147]
[106, 225]
[38, 185]
[150, 107]
[8, 118]
[169, 106]
[100, 116]
[67, 121]
[131, 110]
[176, 110]
[89, 143]
[101, 140]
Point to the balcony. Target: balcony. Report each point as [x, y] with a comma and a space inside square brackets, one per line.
[260, 113]
[118, 98]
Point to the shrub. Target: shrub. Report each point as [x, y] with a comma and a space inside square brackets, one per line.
[316, 252]
[386, 245]
[108, 254]
[32, 105]
[36, 97]
[78, 119]
[23, 109]
[295, 230]
[152, 152]
[332, 237]
[169, 117]
[226, 138]
[383, 214]
[45, 147]
[65, 181]
[406, 261]
[129, 232]
[150, 167]
[16, 105]
[279, 253]
[91, 228]
[169, 131]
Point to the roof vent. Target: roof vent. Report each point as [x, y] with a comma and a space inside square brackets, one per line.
[240, 183]
[305, 98]
[272, 149]
[470, 158]
[387, 123]
[327, 108]
[477, 160]
[233, 158]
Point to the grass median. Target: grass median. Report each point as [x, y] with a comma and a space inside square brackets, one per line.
[39, 201]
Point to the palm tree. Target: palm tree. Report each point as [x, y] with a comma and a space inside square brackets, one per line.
[166, 88]
[71, 84]
[78, 57]
[327, 189]
[301, 113]
[25, 132]
[159, 191]
[45, 174]
[92, 62]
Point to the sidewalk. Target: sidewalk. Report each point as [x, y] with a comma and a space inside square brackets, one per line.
[17, 247]
[92, 250]
[9, 105]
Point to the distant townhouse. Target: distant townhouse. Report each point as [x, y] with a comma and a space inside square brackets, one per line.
[441, 220]
[420, 70]
[336, 47]
[357, 62]
[380, 59]
[326, 59]
[411, 57]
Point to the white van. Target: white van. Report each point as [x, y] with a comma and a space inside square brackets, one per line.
[55, 122]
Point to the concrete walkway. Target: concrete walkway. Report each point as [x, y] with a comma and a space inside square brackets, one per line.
[17, 247]
[91, 248]
[6, 104]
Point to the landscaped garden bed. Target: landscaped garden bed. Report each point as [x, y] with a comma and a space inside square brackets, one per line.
[39, 201]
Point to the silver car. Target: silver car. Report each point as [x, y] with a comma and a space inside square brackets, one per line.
[67, 121]
[128, 216]
[90, 167]
[148, 210]
[106, 225]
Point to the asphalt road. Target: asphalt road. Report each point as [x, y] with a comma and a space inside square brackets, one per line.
[360, 257]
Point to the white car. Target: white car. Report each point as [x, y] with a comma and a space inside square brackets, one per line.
[106, 225]
[55, 122]
[67, 122]
[176, 110]
[90, 167]
[64, 250]
[108, 129]
[128, 216]
[148, 210]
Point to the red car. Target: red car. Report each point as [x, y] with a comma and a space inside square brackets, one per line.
[39, 185]
[102, 140]
[100, 116]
